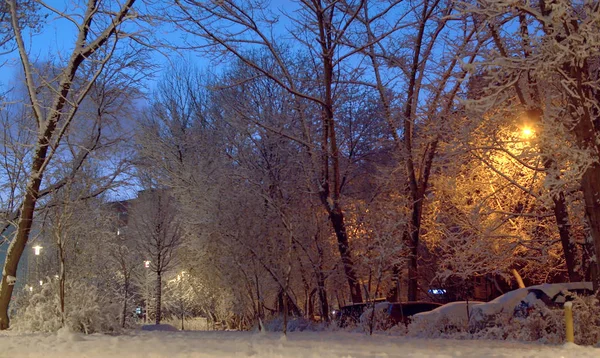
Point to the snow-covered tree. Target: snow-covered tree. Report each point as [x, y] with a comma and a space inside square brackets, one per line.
[98, 36]
[156, 229]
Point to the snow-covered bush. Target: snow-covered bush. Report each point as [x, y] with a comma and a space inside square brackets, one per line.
[85, 310]
[542, 324]
[381, 320]
[586, 320]
[547, 325]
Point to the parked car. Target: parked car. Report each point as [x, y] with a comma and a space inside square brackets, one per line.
[521, 302]
[452, 316]
[350, 314]
[389, 314]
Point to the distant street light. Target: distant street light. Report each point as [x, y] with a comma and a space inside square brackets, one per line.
[36, 250]
[147, 293]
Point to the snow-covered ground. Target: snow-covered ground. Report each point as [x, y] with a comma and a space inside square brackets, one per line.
[247, 344]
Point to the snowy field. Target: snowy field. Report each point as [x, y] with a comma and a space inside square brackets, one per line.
[246, 344]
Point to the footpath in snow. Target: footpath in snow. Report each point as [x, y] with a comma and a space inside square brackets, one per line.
[247, 344]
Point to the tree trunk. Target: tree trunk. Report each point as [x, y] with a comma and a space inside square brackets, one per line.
[393, 294]
[61, 251]
[590, 184]
[561, 214]
[259, 308]
[322, 292]
[125, 294]
[285, 313]
[413, 261]
[564, 229]
[17, 245]
[157, 298]
[182, 318]
[337, 220]
[309, 308]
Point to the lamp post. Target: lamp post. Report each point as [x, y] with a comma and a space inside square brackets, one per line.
[146, 266]
[37, 249]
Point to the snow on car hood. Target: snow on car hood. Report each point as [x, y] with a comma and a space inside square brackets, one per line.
[508, 301]
[450, 309]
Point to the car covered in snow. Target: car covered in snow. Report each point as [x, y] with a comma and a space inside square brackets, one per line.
[350, 314]
[520, 302]
[389, 314]
[452, 316]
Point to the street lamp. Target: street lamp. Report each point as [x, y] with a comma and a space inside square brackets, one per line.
[527, 132]
[36, 250]
[147, 293]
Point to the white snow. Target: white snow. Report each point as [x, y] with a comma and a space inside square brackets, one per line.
[568, 304]
[10, 280]
[269, 345]
[508, 301]
[454, 313]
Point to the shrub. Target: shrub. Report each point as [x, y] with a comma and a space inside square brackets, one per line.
[85, 310]
[542, 324]
[381, 320]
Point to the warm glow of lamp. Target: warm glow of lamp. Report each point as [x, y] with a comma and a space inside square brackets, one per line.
[527, 132]
[37, 249]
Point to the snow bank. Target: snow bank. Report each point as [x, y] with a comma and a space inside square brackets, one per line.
[270, 345]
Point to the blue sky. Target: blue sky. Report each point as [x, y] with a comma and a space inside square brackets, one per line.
[57, 36]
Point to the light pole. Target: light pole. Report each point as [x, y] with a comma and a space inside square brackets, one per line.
[37, 249]
[146, 266]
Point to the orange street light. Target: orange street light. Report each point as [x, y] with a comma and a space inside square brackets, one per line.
[527, 132]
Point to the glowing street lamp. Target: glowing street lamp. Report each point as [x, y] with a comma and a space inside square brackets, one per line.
[36, 250]
[527, 132]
